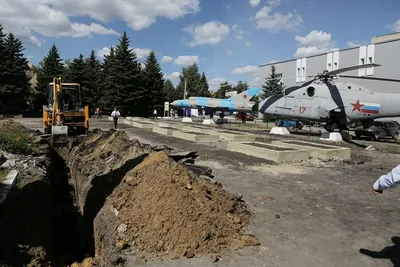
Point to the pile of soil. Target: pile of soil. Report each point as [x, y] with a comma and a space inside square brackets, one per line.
[163, 209]
[133, 199]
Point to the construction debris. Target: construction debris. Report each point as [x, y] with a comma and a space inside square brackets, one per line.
[137, 199]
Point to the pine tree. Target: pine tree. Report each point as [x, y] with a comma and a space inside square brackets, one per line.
[170, 91]
[204, 92]
[49, 68]
[14, 90]
[92, 80]
[2, 67]
[272, 85]
[154, 82]
[76, 72]
[130, 94]
[108, 79]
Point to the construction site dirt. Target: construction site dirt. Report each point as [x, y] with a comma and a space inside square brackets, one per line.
[314, 214]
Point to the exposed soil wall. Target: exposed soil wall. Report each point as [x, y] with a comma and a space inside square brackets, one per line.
[137, 200]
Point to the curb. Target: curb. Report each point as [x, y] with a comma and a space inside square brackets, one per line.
[7, 184]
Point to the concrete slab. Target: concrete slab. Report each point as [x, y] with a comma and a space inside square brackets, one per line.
[195, 136]
[208, 121]
[235, 136]
[142, 125]
[7, 184]
[163, 130]
[187, 119]
[272, 152]
[169, 125]
[321, 151]
[197, 129]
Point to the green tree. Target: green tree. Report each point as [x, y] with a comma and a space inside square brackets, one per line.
[15, 86]
[76, 71]
[48, 68]
[92, 80]
[223, 88]
[154, 82]
[194, 86]
[272, 85]
[205, 90]
[108, 78]
[170, 91]
[129, 91]
[241, 87]
[2, 66]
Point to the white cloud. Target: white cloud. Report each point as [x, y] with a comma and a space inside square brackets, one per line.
[103, 52]
[353, 44]
[255, 82]
[26, 18]
[247, 43]
[52, 18]
[211, 33]
[237, 32]
[166, 59]
[272, 21]
[316, 42]
[214, 83]
[172, 76]
[247, 70]
[254, 3]
[396, 26]
[186, 60]
[142, 52]
[272, 61]
[228, 51]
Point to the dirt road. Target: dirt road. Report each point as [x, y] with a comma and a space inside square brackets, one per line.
[304, 216]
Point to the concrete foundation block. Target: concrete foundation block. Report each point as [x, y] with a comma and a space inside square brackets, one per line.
[279, 130]
[236, 136]
[187, 119]
[163, 130]
[195, 136]
[320, 151]
[7, 184]
[332, 137]
[208, 121]
[194, 129]
[142, 125]
[271, 152]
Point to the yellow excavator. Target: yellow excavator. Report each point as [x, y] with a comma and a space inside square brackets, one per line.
[64, 112]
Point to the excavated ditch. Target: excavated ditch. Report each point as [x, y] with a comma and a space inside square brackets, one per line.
[106, 198]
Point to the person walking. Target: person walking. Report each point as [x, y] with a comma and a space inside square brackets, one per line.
[389, 180]
[155, 114]
[115, 114]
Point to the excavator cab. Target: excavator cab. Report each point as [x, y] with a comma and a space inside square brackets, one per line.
[65, 112]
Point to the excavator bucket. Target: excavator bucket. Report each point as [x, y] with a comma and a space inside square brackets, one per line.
[59, 135]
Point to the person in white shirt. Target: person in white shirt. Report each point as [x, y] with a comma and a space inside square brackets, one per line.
[115, 114]
[155, 113]
[389, 180]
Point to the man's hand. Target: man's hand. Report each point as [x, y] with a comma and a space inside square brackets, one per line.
[377, 192]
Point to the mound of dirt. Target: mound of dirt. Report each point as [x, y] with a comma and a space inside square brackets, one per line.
[136, 200]
[163, 209]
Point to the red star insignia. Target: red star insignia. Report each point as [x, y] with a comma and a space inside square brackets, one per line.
[357, 106]
[244, 96]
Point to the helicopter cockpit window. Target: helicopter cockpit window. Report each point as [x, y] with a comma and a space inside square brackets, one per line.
[310, 91]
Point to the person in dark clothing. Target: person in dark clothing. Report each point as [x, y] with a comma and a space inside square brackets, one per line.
[115, 114]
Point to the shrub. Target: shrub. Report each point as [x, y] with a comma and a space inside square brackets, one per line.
[16, 139]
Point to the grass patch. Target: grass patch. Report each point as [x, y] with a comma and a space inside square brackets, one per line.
[15, 138]
[3, 175]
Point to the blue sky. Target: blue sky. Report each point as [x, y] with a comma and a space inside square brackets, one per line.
[228, 39]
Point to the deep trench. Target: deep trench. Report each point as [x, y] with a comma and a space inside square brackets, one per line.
[69, 237]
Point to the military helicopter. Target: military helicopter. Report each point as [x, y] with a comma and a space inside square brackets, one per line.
[336, 104]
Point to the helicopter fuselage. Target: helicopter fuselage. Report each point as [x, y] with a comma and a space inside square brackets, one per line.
[335, 103]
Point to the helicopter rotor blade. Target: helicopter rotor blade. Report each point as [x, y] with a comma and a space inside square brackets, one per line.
[370, 78]
[335, 72]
